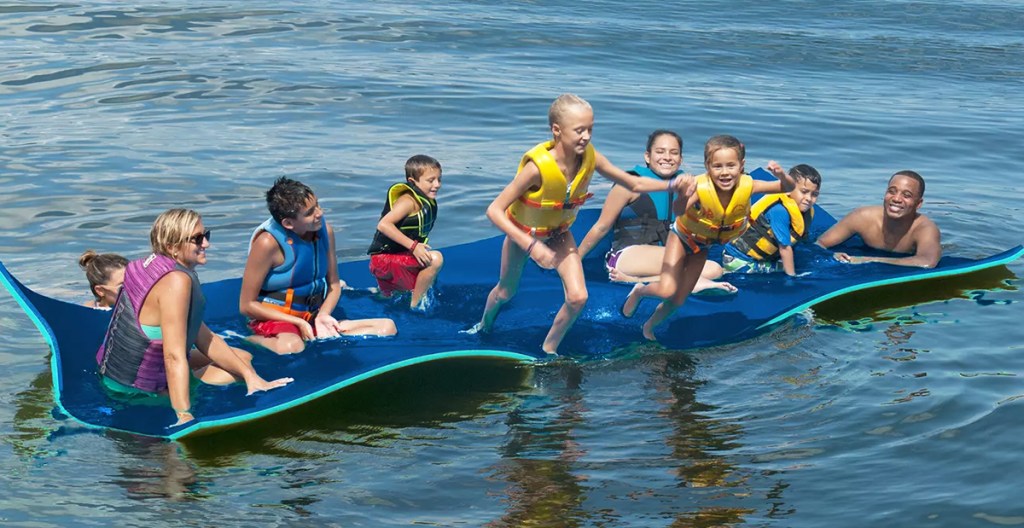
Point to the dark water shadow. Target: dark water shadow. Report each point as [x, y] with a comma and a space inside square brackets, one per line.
[371, 413]
[881, 304]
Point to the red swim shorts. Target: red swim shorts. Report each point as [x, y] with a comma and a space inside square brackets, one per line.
[274, 328]
[395, 271]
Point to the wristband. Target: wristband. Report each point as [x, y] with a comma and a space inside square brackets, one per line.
[671, 183]
[530, 247]
[413, 246]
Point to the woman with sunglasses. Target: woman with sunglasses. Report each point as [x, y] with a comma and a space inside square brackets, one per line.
[157, 340]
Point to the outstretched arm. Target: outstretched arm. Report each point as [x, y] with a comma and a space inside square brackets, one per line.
[174, 296]
[683, 183]
[786, 182]
[617, 200]
[928, 250]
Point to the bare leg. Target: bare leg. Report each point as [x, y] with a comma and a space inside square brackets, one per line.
[378, 327]
[284, 343]
[513, 258]
[641, 261]
[706, 281]
[426, 279]
[570, 269]
[692, 265]
[671, 274]
[209, 373]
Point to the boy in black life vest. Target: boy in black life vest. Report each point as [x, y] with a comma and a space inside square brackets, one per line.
[400, 258]
[777, 222]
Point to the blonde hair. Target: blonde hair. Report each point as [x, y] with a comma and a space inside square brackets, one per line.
[721, 143]
[562, 104]
[171, 229]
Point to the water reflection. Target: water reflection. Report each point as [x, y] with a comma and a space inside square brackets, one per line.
[540, 452]
[696, 440]
[860, 311]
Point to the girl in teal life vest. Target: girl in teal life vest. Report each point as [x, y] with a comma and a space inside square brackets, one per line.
[400, 258]
[640, 222]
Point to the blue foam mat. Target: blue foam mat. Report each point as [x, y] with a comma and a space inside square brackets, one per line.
[74, 332]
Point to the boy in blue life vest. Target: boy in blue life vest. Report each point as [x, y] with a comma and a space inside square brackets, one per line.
[400, 258]
[777, 222]
[290, 285]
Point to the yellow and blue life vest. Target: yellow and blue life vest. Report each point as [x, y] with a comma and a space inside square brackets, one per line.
[759, 242]
[708, 221]
[551, 209]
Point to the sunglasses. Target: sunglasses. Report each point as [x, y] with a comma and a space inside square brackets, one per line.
[198, 239]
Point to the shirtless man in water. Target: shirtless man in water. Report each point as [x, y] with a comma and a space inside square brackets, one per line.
[895, 226]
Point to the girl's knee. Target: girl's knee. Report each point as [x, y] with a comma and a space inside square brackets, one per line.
[577, 300]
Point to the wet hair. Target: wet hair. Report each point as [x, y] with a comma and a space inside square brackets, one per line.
[171, 229]
[99, 266]
[914, 176]
[663, 132]
[562, 104]
[287, 197]
[804, 171]
[418, 164]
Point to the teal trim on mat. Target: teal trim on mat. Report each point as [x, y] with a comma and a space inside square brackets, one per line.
[481, 354]
[899, 280]
[15, 289]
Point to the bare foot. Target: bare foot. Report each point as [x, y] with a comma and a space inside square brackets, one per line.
[648, 333]
[632, 301]
[615, 275]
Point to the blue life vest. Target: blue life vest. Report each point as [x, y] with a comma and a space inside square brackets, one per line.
[646, 220]
[298, 286]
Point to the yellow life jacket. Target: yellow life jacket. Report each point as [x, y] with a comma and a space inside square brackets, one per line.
[760, 242]
[708, 221]
[551, 209]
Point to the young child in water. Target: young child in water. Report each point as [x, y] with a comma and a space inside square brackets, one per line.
[400, 258]
[536, 209]
[105, 273]
[716, 213]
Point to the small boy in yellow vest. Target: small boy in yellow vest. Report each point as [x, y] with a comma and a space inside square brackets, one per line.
[777, 222]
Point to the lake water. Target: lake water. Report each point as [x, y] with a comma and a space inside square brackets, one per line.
[898, 407]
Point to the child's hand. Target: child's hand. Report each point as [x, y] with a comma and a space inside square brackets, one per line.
[422, 254]
[685, 185]
[306, 330]
[776, 169]
[543, 255]
[326, 325]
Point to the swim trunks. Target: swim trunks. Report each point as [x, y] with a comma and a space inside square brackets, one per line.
[395, 271]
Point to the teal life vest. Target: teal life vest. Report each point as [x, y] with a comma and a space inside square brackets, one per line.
[646, 220]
